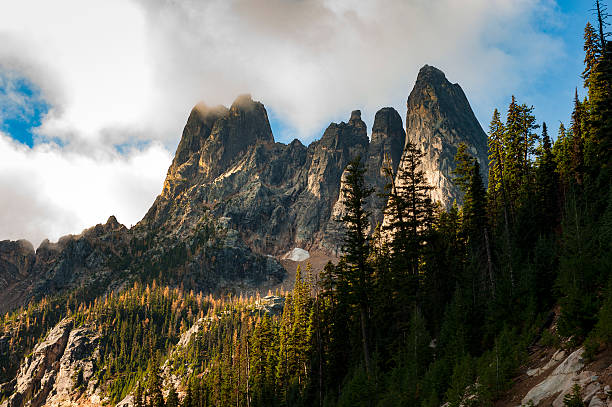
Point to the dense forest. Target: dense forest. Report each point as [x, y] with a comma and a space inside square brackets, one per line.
[435, 306]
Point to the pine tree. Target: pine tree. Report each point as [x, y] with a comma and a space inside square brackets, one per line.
[519, 146]
[463, 171]
[512, 143]
[562, 154]
[156, 399]
[139, 397]
[592, 53]
[530, 137]
[172, 400]
[409, 211]
[598, 146]
[497, 190]
[475, 226]
[547, 183]
[357, 245]
[577, 153]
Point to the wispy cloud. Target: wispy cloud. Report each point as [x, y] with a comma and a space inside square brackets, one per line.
[127, 73]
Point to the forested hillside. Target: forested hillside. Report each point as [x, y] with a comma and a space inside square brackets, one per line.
[436, 306]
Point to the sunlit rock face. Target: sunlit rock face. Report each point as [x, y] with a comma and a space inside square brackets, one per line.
[438, 119]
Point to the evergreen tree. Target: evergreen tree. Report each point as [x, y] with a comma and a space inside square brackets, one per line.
[577, 140]
[513, 150]
[592, 53]
[519, 146]
[172, 400]
[463, 171]
[410, 211]
[357, 245]
[547, 182]
[598, 145]
[499, 198]
[475, 227]
[139, 397]
[156, 399]
[562, 154]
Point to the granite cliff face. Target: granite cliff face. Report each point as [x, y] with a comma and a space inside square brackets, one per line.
[438, 119]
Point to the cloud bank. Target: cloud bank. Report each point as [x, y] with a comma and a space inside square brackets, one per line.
[126, 73]
[48, 192]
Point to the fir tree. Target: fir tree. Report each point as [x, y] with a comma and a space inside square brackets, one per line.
[172, 400]
[410, 211]
[357, 245]
[577, 140]
[463, 171]
[156, 399]
[592, 53]
[475, 226]
[547, 182]
[139, 397]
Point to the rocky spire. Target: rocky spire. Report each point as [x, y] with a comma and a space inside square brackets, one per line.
[438, 119]
[387, 142]
[245, 125]
[214, 138]
[199, 125]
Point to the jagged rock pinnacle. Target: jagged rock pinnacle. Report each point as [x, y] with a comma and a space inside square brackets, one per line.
[438, 119]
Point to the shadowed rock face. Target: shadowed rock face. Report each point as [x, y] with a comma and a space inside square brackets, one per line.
[438, 119]
[387, 144]
[277, 196]
[72, 261]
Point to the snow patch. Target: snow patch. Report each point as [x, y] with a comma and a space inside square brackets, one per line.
[297, 254]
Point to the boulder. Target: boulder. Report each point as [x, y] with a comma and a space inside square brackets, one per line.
[559, 381]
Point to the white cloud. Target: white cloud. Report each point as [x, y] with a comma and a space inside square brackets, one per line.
[123, 71]
[314, 61]
[89, 58]
[48, 192]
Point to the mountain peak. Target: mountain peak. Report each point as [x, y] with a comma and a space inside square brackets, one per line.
[432, 87]
[248, 122]
[430, 73]
[438, 119]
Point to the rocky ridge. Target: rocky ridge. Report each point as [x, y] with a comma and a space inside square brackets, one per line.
[233, 196]
[278, 196]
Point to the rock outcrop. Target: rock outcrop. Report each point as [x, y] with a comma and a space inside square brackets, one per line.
[568, 372]
[438, 119]
[60, 370]
[74, 260]
[386, 147]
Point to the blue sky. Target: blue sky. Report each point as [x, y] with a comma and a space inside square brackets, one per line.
[21, 107]
[90, 117]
